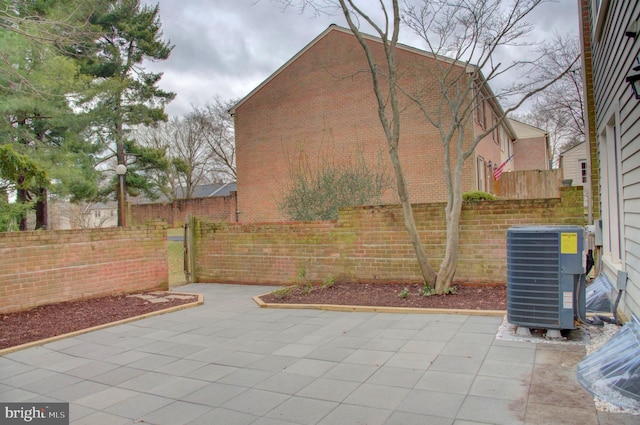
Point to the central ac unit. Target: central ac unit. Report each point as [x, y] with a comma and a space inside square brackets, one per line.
[545, 277]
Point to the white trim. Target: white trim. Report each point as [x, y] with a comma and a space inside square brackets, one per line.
[481, 174]
[599, 9]
[611, 207]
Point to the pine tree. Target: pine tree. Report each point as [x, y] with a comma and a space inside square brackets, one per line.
[35, 115]
[123, 94]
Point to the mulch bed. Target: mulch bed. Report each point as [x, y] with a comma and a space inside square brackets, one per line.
[468, 297]
[61, 318]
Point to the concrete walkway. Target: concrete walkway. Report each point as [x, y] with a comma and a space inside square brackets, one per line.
[229, 362]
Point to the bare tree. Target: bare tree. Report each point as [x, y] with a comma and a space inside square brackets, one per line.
[200, 147]
[85, 215]
[216, 127]
[559, 109]
[188, 153]
[466, 38]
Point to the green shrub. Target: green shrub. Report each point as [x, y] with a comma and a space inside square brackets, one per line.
[427, 290]
[478, 196]
[404, 293]
[305, 288]
[282, 292]
[302, 283]
[328, 282]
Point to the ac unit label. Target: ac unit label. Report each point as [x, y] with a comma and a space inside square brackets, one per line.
[567, 300]
[568, 243]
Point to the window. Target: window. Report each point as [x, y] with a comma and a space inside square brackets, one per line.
[96, 213]
[480, 115]
[610, 188]
[481, 175]
[583, 171]
[598, 14]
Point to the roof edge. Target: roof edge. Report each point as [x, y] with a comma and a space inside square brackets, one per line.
[528, 125]
[232, 110]
[573, 147]
[335, 27]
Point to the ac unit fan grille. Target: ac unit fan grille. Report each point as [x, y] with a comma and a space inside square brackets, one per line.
[532, 276]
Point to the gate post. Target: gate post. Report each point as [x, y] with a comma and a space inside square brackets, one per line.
[189, 254]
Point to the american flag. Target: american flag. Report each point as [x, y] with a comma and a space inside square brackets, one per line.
[498, 171]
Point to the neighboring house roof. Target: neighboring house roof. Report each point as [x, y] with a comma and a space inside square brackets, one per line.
[199, 191]
[89, 206]
[576, 152]
[580, 145]
[333, 27]
[526, 131]
[109, 205]
[208, 190]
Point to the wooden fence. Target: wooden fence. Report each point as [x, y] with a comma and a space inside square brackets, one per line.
[529, 184]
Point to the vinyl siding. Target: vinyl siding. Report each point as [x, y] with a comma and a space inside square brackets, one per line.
[613, 58]
[571, 164]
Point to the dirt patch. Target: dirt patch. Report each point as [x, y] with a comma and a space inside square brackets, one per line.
[468, 297]
[61, 318]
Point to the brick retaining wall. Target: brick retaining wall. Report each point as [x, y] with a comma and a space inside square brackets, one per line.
[44, 267]
[370, 244]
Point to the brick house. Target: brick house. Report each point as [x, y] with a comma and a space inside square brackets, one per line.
[531, 147]
[320, 106]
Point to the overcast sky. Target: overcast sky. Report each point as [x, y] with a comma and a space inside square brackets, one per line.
[226, 48]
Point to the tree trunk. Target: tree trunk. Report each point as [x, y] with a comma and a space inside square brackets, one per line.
[409, 221]
[449, 263]
[23, 198]
[453, 210]
[389, 101]
[41, 210]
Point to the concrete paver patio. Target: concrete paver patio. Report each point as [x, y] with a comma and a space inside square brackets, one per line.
[230, 362]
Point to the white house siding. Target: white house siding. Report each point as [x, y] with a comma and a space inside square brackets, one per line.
[618, 128]
[571, 160]
[65, 215]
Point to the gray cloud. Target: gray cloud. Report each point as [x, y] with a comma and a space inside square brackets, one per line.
[226, 48]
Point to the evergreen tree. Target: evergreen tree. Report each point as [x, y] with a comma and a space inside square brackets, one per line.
[17, 171]
[122, 94]
[35, 84]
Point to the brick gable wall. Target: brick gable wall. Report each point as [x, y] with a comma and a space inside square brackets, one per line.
[530, 154]
[321, 106]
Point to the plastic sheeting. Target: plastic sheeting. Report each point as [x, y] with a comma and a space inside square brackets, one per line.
[612, 373]
[598, 295]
